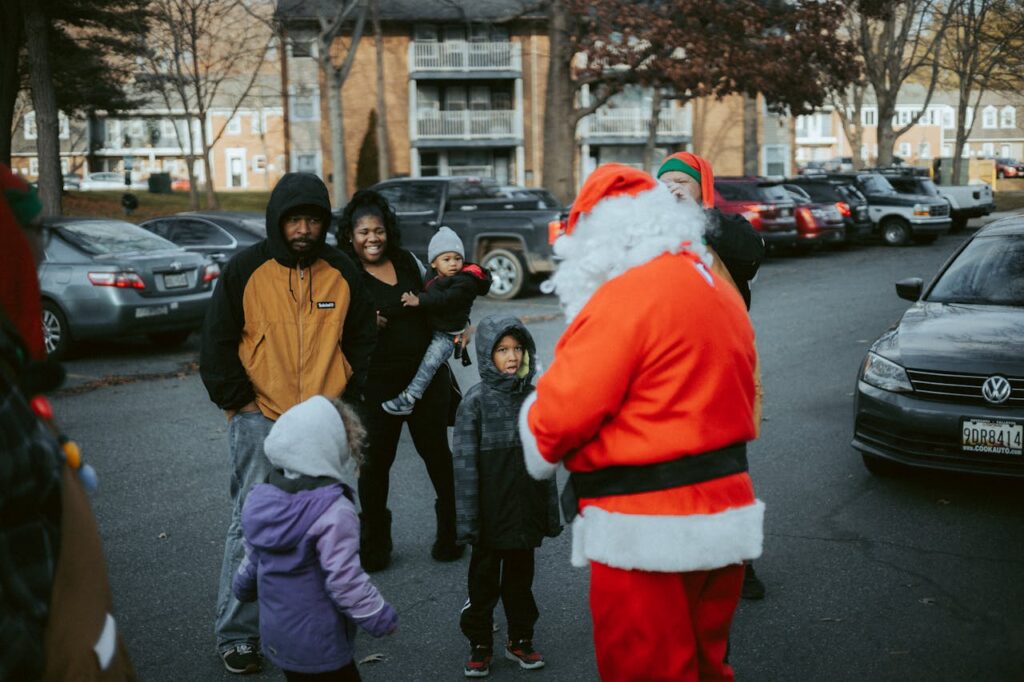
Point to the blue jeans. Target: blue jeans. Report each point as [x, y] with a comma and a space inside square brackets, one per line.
[442, 345]
[237, 622]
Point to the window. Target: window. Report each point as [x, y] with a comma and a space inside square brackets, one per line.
[990, 270]
[306, 163]
[33, 166]
[29, 126]
[259, 164]
[256, 124]
[864, 152]
[948, 117]
[947, 150]
[64, 126]
[1008, 117]
[905, 150]
[969, 119]
[168, 136]
[924, 151]
[414, 197]
[65, 166]
[966, 153]
[302, 47]
[988, 117]
[426, 33]
[869, 116]
[305, 107]
[933, 117]
[113, 139]
[234, 125]
[988, 149]
[1004, 151]
[197, 233]
[904, 116]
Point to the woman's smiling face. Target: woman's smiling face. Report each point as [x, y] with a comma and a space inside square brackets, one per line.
[369, 239]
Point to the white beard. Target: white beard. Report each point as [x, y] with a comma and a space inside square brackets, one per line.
[621, 233]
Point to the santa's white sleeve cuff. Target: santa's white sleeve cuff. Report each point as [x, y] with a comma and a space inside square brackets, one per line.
[538, 467]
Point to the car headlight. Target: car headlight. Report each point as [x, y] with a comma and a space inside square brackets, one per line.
[885, 374]
[921, 210]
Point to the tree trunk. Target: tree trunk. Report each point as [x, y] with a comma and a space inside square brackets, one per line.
[44, 100]
[750, 145]
[652, 130]
[961, 132]
[560, 109]
[211, 195]
[383, 150]
[339, 176]
[886, 133]
[190, 163]
[856, 140]
[282, 46]
[10, 46]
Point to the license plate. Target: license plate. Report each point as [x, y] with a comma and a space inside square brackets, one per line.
[992, 436]
[175, 281]
[151, 311]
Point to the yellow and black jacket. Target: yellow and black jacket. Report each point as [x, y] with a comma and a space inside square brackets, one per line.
[279, 329]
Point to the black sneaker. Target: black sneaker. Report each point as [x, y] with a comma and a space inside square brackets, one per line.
[446, 551]
[479, 663]
[242, 659]
[753, 588]
[523, 653]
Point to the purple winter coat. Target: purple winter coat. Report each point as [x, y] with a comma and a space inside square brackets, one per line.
[302, 561]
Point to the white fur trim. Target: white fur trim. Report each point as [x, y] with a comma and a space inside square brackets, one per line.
[538, 467]
[668, 544]
[620, 233]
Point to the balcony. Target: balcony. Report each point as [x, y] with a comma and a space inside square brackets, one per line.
[467, 125]
[466, 59]
[632, 123]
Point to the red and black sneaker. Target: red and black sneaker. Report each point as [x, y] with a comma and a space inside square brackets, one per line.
[524, 654]
[479, 663]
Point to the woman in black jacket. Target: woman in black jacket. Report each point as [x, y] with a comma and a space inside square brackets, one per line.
[368, 232]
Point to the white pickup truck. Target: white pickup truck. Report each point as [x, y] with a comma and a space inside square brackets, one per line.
[965, 201]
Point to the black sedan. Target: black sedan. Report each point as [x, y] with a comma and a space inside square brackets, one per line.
[218, 235]
[944, 388]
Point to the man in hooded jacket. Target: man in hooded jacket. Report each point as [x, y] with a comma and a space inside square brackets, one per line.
[289, 320]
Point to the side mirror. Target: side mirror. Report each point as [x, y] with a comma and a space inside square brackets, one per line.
[910, 288]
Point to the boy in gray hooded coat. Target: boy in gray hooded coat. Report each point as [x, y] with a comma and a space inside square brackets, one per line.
[499, 508]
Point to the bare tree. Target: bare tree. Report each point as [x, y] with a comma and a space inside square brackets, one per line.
[330, 42]
[900, 41]
[203, 53]
[383, 148]
[980, 52]
[44, 100]
[848, 104]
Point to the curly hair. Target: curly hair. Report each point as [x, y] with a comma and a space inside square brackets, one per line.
[367, 202]
[354, 429]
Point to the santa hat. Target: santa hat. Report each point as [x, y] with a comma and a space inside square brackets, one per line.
[609, 180]
[621, 219]
[697, 168]
[310, 439]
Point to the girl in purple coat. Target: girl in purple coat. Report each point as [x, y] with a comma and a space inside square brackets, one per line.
[302, 547]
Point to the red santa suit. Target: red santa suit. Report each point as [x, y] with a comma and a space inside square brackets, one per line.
[651, 381]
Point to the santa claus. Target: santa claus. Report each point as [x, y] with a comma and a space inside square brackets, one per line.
[649, 405]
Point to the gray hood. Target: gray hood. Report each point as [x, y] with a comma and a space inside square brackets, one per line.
[488, 332]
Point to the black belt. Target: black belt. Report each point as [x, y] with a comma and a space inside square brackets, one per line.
[629, 480]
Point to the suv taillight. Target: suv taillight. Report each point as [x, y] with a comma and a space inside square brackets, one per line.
[556, 228]
[122, 280]
[844, 209]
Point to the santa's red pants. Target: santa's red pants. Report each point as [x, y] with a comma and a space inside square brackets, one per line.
[663, 626]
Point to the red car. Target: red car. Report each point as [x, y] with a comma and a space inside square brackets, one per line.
[767, 205]
[1009, 168]
[817, 223]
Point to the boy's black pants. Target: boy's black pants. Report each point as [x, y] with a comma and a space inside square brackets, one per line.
[505, 574]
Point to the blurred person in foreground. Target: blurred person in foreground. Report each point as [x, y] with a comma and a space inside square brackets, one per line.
[649, 403]
[55, 599]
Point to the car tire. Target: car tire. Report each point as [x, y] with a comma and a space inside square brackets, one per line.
[508, 273]
[56, 334]
[170, 339]
[895, 231]
[959, 224]
[879, 466]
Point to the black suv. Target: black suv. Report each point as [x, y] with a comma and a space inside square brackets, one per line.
[852, 205]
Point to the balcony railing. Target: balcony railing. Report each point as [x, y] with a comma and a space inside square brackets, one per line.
[463, 55]
[635, 122]
[466, 125]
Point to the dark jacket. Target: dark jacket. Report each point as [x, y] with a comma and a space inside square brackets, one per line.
[280, 330]
[302, 563]
[497, 504]
[448, 300]
[739, 245]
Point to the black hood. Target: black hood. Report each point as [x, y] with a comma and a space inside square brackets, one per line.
[293, 190]
[953, 337]
[488, 332]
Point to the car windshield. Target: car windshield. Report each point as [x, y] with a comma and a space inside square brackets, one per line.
[102, 237]
[876, 184]
[744, 191]
[990, 270]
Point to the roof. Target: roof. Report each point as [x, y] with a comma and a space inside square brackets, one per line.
[418, 10]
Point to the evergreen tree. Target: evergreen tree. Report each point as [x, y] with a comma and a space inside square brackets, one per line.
[367, 169]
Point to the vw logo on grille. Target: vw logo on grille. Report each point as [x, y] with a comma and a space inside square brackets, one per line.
[996, 389]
